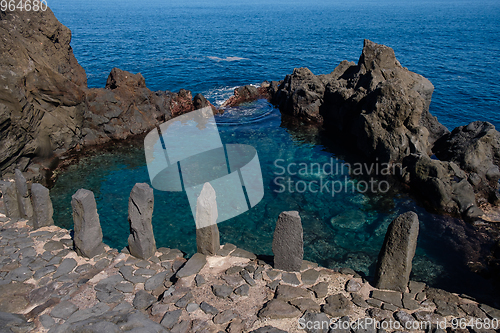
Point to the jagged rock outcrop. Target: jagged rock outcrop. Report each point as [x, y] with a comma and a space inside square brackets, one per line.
[247, 94]
[45, 105]
[41, 88]
[383, 105]
[384, 109]
[476, 149]
[443, 185]
[123, 108]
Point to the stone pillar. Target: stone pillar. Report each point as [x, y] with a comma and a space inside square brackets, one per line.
[42, 206]
[88, 233]
[395, 257]
[288, 243]
[207, 232]
[141, 241]
[23, 196]
[9, 196]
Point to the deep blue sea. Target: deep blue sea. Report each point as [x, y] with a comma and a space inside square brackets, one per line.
[210, 47]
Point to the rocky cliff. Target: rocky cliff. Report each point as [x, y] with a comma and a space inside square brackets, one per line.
[46, 107]
[383, 109]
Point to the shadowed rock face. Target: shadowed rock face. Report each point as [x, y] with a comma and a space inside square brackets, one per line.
[41, 87]
[476, 149]
[385, 106]
[384, 109]
[45, 105]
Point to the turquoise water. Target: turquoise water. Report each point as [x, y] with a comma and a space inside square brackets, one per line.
[344, 229]
[176, 45]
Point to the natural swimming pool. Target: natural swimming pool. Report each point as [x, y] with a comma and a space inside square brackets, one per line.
[344, 221]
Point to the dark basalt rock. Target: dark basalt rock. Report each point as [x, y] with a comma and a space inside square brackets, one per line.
[288, 243]
[42, 206]
[395, 259]
[140, 211]
[384, 109]
[47, 107]
[247, 94]
[382, 104]
[476, 149]
[88, 232]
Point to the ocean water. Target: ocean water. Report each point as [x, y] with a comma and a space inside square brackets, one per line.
[211, 47]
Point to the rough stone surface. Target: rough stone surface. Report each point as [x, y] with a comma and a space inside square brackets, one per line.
[224, 317]
[222, 291]
[268, 329]
[63, 310]
[208, 240]
[352, 286]
[66, 266]
[207, 232]
[288, 243]
[226, 249]
[141, 241]
[316, 322]
[310, 276]
[337, 305]
[242, 290]
[395, 258]
[320, 289]
[9, 196]
[476, 149]
[42, 206]
[391, 297]
[305, 304]
[243, 254]
[209, 309]
[278, 309]
[143, 300]
[290, 278]
[23, 196]
[155, 281]
[171, 318]
[286, 293]
[88, 233]
[192, 266]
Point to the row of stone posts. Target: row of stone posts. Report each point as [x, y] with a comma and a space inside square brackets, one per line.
[393, 266]
[394, 262]
[37, 207]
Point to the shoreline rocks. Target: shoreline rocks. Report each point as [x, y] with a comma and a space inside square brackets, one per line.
[53, 289]
[47, 109]
[384, 109]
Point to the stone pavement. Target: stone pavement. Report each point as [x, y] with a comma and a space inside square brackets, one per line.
[46, 287]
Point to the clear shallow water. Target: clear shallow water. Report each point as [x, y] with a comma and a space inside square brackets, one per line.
[343, 229]
[211, 47]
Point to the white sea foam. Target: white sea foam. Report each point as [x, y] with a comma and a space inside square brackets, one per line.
[227, 58]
